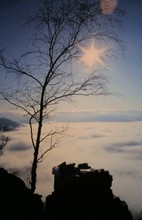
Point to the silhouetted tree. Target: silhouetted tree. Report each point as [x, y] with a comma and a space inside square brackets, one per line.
[3, 141]
[45, 72]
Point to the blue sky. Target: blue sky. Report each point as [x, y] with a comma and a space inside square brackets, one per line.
[125, 73]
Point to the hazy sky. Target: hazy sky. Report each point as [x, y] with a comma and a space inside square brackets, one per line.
[125, 72]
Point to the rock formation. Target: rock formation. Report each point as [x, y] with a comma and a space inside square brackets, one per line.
[84, 193]
[16, 200]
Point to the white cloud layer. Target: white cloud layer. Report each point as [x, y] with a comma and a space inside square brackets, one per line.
[82, 116]
[101, 116]
[116, 147]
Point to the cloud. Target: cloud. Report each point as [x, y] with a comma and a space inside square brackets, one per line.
[115, 147]
[83, 116]
[13, 115]
[128, 144]
[20, 146]
[122, 147]
[91, 136]
[94, 136]
[94, 116]
[129, 173]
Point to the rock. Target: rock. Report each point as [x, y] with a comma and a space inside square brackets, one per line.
[84, 195]
[16, 200]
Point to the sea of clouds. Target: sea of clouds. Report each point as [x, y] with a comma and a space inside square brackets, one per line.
[113, 146]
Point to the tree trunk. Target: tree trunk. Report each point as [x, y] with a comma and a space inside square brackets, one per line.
[34, 170]
[36, 149]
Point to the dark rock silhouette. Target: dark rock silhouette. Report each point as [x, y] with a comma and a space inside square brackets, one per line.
[80, 193]
[84, 193]
[16, 200]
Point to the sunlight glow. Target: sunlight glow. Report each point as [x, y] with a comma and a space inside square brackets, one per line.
[108, 6]
[92, 55]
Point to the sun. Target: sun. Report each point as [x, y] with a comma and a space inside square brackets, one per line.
[92, 55]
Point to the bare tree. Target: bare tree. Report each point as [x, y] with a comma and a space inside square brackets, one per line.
[45, 72]
[3, 141]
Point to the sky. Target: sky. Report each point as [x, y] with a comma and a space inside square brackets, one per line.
[125, 72]
[113, 146]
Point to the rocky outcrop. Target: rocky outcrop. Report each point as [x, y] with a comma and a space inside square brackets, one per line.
[80, 193]
[84, 193]
[16, 200]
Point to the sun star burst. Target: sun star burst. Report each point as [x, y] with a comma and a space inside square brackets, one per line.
[92, 55]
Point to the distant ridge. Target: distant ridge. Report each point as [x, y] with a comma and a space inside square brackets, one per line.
[8, 125]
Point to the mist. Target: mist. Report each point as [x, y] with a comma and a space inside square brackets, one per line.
[116, 147]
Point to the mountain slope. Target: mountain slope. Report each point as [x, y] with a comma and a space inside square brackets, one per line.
[8, 125]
